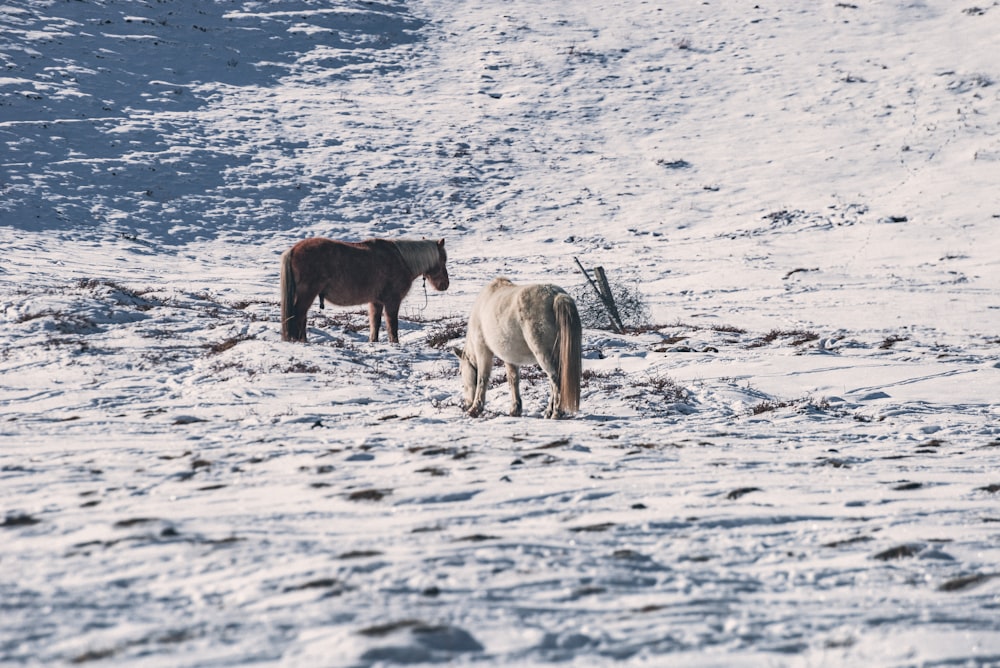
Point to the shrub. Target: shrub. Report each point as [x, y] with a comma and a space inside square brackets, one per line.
[446, 331]
[630, 302]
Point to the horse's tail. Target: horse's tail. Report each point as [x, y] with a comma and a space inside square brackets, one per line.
[570, 352]
[289, 328]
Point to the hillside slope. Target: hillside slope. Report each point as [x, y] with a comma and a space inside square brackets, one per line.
[788, 459]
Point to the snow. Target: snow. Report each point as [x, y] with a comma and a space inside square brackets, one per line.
[792, 465]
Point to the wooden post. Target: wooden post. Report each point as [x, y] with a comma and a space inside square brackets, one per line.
[608, 301]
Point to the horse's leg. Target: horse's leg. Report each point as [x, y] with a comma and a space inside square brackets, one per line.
[304, 297]
[513, 379]
[552, 410]
[392, 320]
[484, 365]
[374, 320]
[550, 365]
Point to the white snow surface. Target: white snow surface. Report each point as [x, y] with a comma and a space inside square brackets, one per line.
[792, 463]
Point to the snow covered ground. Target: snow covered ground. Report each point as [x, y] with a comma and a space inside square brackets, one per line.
[792, 463]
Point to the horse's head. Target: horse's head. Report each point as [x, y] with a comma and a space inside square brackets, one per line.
[438, 274]
[470, 376]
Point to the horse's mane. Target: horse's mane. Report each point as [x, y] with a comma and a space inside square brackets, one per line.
[420, 255]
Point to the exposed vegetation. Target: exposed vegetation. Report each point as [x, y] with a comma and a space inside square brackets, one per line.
[631, 303]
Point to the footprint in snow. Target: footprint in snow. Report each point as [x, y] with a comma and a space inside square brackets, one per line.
[967, 582]
[742, 491]
[418, 642]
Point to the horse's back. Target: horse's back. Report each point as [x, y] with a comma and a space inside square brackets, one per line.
[322, 245]
[504, 294]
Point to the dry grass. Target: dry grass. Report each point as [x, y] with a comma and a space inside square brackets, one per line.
[226, 344]
[798, 337]
[802, 405]
[890, 341]
[446, 330]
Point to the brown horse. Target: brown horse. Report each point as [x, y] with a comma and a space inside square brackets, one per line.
[377, 271]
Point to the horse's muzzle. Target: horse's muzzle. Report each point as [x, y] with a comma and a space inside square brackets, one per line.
[440, 282]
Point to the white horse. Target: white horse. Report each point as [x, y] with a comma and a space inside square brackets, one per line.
[523, 325]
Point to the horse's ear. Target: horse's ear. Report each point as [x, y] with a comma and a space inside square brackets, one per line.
[440, 243]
